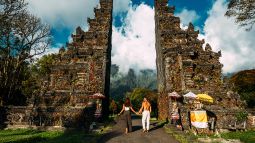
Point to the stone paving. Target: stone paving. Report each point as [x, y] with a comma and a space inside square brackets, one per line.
[155, 135]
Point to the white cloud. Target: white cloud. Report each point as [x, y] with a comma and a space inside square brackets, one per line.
[187, 16]
[135, 48]
[63, 13]
[236, 44]
[66, 13]
[51, 50]
[120, 6]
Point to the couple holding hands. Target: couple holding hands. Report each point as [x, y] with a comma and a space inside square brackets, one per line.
[145, 110]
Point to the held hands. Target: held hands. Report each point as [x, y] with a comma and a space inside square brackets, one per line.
[138, 113]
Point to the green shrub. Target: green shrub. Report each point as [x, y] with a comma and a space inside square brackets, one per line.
[241, 116]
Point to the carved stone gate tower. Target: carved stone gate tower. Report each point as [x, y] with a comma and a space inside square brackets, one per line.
[84, 68]
[80, 70]
[183, 65]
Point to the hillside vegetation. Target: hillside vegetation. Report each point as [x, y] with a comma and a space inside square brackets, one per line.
[243, 82]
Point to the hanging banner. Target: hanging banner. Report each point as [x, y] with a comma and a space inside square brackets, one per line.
[199, 119]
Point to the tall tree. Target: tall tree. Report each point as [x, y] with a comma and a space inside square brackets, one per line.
[243, 11]
[42, 68]
[22, 37]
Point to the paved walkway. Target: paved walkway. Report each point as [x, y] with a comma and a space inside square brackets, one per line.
[155, 135]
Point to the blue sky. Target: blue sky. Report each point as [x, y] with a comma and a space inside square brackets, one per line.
[194, 5]
[200, 6]
[135, 18]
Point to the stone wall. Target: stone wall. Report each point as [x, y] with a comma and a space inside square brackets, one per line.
[251, 119]
[223, 119]
[45, 117]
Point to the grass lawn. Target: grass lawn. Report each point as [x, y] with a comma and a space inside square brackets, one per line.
[243, 136]
[246, 137]
[182, 137]
[35, 136]
[187, 137]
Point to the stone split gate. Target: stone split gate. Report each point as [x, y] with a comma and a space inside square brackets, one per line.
[83, 68]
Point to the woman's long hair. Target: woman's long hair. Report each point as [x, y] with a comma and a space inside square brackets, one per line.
[127, 102]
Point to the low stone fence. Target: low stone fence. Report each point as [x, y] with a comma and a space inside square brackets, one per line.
[43, 117]
[219, 119]
[251, 118]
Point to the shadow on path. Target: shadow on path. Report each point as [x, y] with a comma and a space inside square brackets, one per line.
[156, 134]
[136, 128]
[106, 137]
[157, 125]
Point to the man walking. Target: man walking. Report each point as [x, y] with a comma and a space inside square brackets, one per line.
[145, 110]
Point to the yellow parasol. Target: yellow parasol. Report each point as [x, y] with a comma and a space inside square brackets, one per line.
[205, 97]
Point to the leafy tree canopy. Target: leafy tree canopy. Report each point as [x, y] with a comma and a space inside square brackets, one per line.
[243, 11]
[22, 37]
[137, 95]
